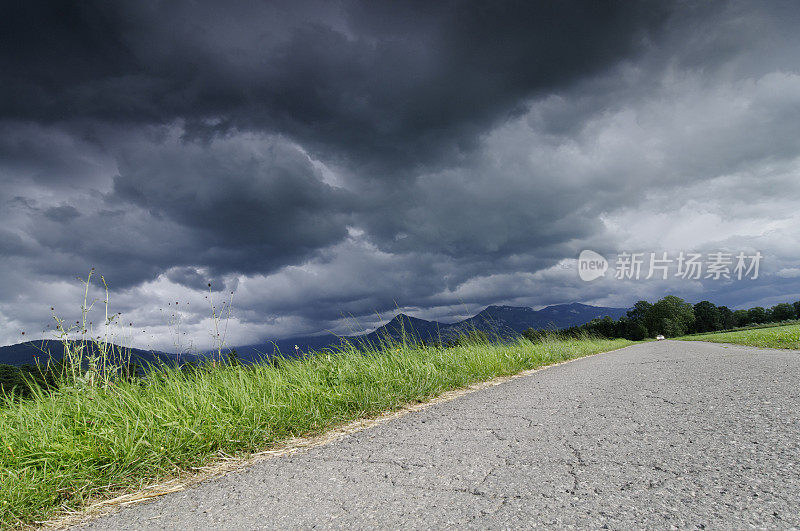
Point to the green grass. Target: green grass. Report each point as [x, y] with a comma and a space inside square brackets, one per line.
[75, 444]
[787, 336]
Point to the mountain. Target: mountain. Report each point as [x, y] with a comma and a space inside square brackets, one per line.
[284, 347]
[505, 321]
[566, 315]
[495, 321]
[403, 325]
[40, 352]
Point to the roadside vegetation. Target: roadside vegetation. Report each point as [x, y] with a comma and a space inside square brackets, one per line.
[99, 432]
[786, 336]
[674, 317]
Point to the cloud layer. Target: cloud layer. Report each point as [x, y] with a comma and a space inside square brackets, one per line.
[332, 162]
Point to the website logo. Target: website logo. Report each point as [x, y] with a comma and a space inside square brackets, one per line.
[591, 265]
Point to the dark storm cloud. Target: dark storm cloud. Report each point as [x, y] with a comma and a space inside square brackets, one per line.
[52, 158]
[61, 214]
[341, 158]
[387, 85]
[189, 277]
[254, 203]
[12, 244]
[378, 88]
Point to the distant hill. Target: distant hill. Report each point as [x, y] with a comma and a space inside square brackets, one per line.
[496, 321]
[33, 352]
[567, 315]
[403, 325]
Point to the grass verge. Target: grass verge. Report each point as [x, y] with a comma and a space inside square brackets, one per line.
[69, 446]
[771, 337]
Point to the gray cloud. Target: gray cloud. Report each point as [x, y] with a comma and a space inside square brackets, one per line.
[382, 85]
[327, 161]
[254, 203]
[62, 213]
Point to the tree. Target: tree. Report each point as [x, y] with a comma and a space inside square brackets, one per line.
[671, 316]
[620, 327]
[603, 327]
[783, 312]
[637, 328]
[741, 317]
[12, 380]
[757, 315]
[726, 317]
[796, 308]
[639, 310]
[706, 317]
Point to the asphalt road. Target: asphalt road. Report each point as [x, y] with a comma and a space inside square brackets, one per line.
[657, 435]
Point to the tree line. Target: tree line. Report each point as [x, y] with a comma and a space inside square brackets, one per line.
[21, 381]
[673, 317]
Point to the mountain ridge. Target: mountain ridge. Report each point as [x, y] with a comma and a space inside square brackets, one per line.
[497, 321]
[40, 352]
[501, 321]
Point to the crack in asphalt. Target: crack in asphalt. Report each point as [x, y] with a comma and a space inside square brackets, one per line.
[572, 468]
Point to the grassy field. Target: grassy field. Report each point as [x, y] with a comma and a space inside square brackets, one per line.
[80, 443]
[772, 337]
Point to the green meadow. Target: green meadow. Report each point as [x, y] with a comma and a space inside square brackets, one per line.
[787, 336]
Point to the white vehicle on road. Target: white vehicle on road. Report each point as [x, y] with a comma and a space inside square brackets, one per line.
[659, 337]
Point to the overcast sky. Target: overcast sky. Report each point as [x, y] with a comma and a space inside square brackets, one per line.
[331, 163]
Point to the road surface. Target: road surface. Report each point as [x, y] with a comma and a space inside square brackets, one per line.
[658, 435]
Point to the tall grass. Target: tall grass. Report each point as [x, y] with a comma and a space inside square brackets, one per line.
[71, 444]
[89, 360]
[777, 336]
